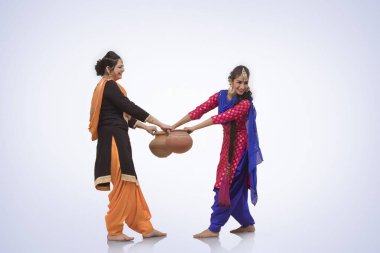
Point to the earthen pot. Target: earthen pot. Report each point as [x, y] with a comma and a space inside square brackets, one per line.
[158, 145]
[179, 141]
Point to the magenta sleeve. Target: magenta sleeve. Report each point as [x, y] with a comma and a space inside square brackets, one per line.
[234, 113]
[207, 106]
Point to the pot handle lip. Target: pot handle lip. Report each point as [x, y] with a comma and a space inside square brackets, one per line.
[160, 133]
[179, 130]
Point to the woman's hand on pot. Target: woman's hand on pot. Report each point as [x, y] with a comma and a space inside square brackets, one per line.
[189, 129]
[166, 128]
[151, 129]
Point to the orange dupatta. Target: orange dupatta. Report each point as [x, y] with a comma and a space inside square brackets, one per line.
[96, 103]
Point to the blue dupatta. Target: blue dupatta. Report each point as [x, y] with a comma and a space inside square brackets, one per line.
[254, 152]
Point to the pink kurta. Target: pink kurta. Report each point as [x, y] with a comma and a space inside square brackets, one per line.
[239, 113]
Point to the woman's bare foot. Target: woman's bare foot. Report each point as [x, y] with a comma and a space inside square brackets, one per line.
[206, 234]
[154, 233]
[249, 229]
[119, 237]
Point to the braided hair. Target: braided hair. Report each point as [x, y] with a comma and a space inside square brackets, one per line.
[236, 72]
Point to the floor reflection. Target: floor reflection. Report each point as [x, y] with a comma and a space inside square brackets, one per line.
[118, 247]
[146, 245]
[246, 244]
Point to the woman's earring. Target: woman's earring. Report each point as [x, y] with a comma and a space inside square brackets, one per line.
[108, 72]
[230, 89]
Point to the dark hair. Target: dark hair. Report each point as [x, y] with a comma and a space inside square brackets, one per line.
[235, 73]
[109, 60]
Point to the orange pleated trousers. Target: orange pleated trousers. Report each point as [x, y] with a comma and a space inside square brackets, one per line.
[127, 203]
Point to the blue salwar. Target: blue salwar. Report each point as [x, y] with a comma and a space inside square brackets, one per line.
[239, 205]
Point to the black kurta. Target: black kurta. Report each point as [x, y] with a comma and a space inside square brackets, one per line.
[113, 124]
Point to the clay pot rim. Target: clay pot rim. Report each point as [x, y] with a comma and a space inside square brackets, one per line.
[175, 131]
[179, 131]
[161, 133]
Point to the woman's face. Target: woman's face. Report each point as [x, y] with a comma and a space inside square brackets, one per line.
[240, 85]
[117, 72]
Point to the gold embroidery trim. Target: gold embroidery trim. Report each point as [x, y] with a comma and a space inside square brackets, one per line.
[129, 178]
[102, 180]
[107, 179]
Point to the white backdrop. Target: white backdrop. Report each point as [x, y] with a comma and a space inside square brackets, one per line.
[314, 73]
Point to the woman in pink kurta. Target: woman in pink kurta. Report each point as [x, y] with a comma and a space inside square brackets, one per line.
[239, 149]
[237, 113]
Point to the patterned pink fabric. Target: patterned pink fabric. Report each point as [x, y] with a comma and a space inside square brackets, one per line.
[207, 106]
[239, 113]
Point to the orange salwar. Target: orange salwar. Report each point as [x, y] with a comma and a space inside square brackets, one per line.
[127, 203]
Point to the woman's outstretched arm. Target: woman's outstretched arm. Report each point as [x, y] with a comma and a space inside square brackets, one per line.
[198, 112]
[203, 124]
[155, 121]
[150, 129]
[182, 121]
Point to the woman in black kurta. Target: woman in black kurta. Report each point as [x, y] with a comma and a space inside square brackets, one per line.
[112, 113]
[113, 124]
